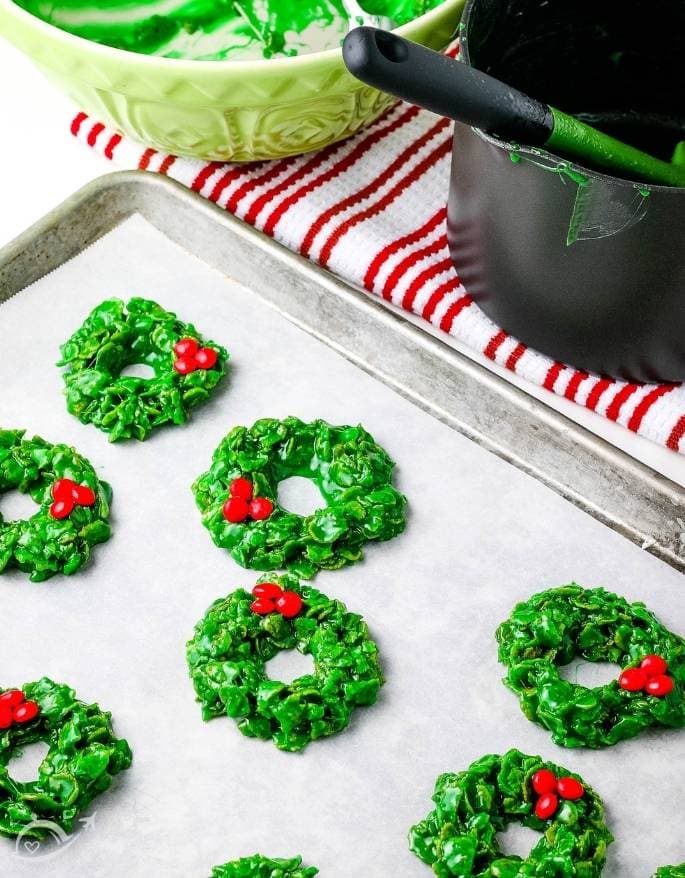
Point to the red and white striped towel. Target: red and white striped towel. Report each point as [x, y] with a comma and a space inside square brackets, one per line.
[371, 210]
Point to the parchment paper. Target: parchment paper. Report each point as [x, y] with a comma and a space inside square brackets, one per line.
[481, 536]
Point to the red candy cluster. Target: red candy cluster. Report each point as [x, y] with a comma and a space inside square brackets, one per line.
[14, 708]
[241, 505]
[190, 356]
[551, 789]
[651, 677]
[68, 494]
[270, 598]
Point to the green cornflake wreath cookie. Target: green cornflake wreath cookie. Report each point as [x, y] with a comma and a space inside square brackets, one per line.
[240, 633]
[73, 506]
[552, 628]
[671, 872]
[83, 758]
[239, 506]
[118, 334]
[459, 837]
[262, 867]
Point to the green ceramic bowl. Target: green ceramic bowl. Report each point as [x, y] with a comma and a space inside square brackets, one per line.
[225, 110]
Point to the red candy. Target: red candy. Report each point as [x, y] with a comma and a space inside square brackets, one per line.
[186, 347]
[84, 495]
[26, 712]
[240, 504]
[271, 598]
[6, 718]
[570, 788]
[546, 806]
[544, 781]
[235, 510]
[241, 488]
[68, 494]
[261, 508]
[262, 606]
[61, 509]
[654, 665]
[14, 709]
[190, 356]
[63, 489]
[268, 590]
[289, 604]
[633, 680]
[548, 786]
[185, 365]
[206, 358]
[660, 686]
[11, 699]
[651, 677]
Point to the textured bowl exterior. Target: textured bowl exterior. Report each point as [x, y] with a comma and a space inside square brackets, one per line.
[227, 111]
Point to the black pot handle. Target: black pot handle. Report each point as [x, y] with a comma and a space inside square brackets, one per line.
[436, 82]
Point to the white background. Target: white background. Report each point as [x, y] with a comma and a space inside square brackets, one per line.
[41, 164]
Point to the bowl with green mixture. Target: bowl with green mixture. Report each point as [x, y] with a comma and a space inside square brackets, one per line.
[234, 80]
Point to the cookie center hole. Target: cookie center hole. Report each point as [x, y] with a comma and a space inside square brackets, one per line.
[288, 665]
[23, 768]
[517, 840]
[299, 495]
[590, 674]
[138, 370]
[14, 506]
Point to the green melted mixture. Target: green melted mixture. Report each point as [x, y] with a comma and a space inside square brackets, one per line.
[216, 30]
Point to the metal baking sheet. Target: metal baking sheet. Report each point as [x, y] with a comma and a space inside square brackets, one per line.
[642, 504]
[482, 534]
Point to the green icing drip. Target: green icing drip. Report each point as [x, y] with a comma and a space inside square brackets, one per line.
[562, 169]
[459, 837]
[264, 867]
[350, 469]
[565, 170]
[232, 644]
[82, 760]
[115, 335]
[215, 30]
[552, 628]
[42, 545]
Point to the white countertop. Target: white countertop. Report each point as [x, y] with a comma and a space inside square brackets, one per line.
[42, 165]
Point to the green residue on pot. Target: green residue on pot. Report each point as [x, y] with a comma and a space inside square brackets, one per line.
[567, 170]
[563, 169]
[602, 209]
[216, 30]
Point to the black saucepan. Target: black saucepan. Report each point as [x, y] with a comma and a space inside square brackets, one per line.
[586, 267]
